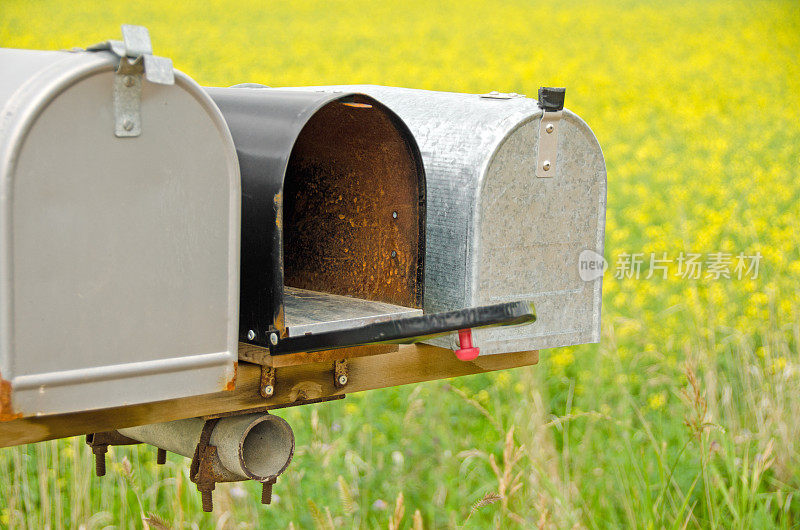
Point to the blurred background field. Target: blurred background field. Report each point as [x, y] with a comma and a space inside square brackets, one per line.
[688, 412]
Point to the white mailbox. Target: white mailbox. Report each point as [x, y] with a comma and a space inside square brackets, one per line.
[119, 231]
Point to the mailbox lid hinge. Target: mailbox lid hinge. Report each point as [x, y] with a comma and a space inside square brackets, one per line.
[551, 101]
[136, 60]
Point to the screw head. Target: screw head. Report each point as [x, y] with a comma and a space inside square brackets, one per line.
[394, 253]
[273, 339]
[128, 80]
[269, 390]
[342, 379]
[251, 335]
[127, 125]
[546, 165]
[394, 215]
[549, 128]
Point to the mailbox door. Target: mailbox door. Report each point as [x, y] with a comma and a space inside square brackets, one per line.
[410, 329]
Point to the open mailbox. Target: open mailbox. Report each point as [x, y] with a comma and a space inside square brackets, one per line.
[333, 225]
[516, 195]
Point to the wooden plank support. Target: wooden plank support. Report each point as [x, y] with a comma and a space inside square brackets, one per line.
[258, 355]
[297, 384]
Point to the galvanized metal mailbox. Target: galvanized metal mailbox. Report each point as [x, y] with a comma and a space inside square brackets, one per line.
[333, 225]
[119, 231]
[516, 191]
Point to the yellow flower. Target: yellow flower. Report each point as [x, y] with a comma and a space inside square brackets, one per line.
[502, 379]
[778, 364]
[657, 401]
[563, 357]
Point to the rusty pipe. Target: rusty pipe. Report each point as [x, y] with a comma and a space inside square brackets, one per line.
[249, 446]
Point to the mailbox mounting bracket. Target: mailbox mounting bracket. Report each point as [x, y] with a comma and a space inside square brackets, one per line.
[136, 57]
[341, 374]
[266, 386]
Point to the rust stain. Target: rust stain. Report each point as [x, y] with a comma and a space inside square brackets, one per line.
[280, 322]
[306, 390]
[323, 399]
[278, 201]
[6, 410]
[358, 105]
[231, 385]
[352, 208]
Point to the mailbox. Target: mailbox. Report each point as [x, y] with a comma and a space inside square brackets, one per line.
[119, 231]
[334, 208]
[516, 198]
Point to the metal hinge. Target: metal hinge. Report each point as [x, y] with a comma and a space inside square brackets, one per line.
[551, 101]
[136, 57]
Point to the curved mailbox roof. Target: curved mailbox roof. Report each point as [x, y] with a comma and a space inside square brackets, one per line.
[266, 125]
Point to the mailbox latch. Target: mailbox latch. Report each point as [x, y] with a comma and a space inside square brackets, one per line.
[136, 57]
[551, 101]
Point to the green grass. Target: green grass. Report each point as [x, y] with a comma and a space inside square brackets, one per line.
[686, 414]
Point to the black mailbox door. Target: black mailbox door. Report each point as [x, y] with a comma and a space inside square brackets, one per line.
[410, 329]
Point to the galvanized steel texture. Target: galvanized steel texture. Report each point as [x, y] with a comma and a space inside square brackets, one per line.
[496, 232]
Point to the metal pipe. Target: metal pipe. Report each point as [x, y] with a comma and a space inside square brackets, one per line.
[250, 446]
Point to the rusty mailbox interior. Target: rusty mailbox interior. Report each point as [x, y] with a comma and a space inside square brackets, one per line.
[333, 224]
[353, 215]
